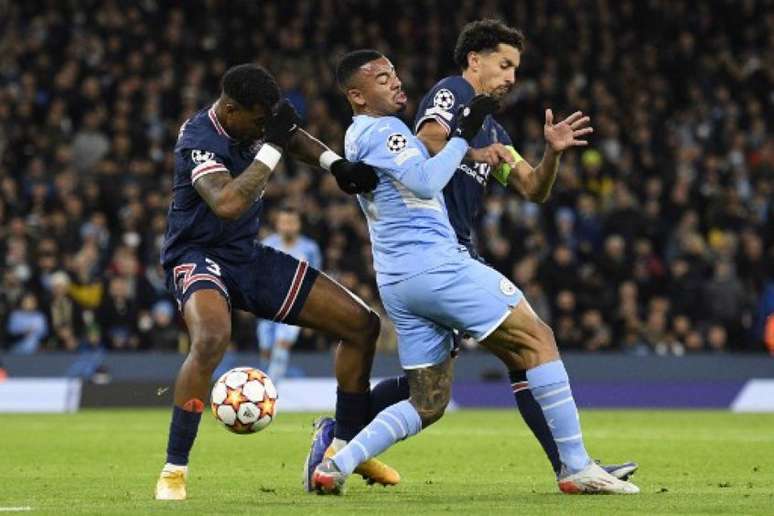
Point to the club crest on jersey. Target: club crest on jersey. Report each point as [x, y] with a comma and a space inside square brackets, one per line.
[200, 156]
[396, 142]
[506, 287]
[444, 99]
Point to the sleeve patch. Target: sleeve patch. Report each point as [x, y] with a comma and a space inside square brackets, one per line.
[443, 99]
[396, 142]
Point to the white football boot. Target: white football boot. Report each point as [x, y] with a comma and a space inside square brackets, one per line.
[593, 479]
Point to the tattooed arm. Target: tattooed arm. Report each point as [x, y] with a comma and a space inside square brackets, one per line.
[351, 177]
[230, 197]
[430, 389]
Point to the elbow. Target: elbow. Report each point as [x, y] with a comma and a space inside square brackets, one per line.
[227, 213]
[228, 209]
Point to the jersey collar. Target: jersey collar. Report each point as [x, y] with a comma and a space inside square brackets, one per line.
[216, 122]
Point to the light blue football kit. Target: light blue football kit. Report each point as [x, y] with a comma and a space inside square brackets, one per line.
[427, 281]
[430, 284]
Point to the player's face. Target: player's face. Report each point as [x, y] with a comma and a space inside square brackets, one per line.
[288, 225]
[245, 124]
[497, 70]
[379, 89]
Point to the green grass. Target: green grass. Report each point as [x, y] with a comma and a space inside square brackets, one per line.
[471, 462]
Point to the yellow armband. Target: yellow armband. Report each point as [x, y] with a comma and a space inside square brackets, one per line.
[502, 172]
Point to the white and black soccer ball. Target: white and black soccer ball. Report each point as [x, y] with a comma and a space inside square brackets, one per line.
[443, 99]
[396, 142]
[244, 399]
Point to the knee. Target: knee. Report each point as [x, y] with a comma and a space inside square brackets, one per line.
[366, 328]
[431, 411]
[544, 347]
[207, 348]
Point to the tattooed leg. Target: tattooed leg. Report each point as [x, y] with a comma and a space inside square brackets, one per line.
[430, 392]
[430, 389]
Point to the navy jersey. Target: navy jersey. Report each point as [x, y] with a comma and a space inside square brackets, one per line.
[464, 194]
[202, 148]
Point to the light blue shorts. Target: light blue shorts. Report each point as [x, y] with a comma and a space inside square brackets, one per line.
[270, 332]
[467, 295]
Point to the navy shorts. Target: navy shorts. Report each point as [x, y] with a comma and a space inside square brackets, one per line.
[271, 284]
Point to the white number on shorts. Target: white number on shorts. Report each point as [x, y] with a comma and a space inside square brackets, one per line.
[212, 267]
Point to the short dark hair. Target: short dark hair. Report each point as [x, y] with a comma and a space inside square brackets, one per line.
[249, 84]
[288, 208]
[485, 35]
[349, 63]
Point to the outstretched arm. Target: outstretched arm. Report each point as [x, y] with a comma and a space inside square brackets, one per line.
[351, 177]
[434, 136]
[535, 183]
[305, 147]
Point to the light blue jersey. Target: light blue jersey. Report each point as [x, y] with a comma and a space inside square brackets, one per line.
[303, 248]
[407, 220]
[428, 282]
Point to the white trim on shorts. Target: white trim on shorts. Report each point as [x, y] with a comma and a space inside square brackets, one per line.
[421, 366]
[493, 328]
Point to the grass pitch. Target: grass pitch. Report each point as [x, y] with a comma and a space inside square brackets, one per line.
[471, 462]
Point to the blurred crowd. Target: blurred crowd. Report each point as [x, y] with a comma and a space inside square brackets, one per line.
[658, 238]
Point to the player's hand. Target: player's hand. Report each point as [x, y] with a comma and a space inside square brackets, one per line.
[282, 124]
[566, 133]
[493, 155]
[471, 117]
[354, 177]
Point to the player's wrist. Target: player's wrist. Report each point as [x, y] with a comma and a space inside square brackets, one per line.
[328, 158]
[269, 154]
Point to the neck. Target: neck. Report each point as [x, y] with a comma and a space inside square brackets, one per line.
[473, 81]
[287, 240]
[220, 114]
[367, 111]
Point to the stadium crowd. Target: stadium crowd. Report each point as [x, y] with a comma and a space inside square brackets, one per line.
[658, 238]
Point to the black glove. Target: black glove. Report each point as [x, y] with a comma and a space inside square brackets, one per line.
[471, 117]
[282, 125]
[354, 177]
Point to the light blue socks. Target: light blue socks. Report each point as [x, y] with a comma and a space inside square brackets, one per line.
[391, 425]
[550, 387]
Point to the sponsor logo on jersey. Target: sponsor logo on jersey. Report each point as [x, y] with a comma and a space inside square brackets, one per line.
[201, 156]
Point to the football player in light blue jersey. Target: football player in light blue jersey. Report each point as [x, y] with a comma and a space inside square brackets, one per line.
[275, 338]
[488, 53]
[429, 284]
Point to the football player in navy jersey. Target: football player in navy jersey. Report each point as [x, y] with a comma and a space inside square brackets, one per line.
[488, 53]
[224, 157]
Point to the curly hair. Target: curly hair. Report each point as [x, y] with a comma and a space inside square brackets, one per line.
[485, 35]
[249, 84]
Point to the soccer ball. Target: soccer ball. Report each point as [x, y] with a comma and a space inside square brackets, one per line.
[244, 399]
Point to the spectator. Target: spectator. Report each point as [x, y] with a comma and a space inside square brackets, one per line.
[64, 314]
[678, 174]
[160, 331]
[27, 326]
[117, 316]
